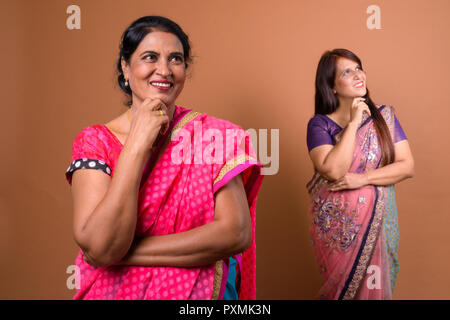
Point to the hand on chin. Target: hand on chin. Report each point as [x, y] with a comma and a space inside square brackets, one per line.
[161, 97]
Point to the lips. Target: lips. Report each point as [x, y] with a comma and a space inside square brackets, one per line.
[161, 84]
[359, 85]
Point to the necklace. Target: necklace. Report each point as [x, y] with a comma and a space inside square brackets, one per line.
[128, 115]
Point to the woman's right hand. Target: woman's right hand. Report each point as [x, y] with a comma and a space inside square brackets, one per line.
[148, 120]
[356, 112]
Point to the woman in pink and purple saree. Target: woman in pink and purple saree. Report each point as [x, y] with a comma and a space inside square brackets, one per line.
[167, 210]
[359, 151]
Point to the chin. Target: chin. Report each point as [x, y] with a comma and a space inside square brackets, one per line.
[161, 96]
[167, 101]
[359, 94]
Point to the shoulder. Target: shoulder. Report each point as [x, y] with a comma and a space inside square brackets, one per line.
[388, 114]
[320, 131]
[384, 108]
[92, 143]
[318, 120]
[387, 111]
[94, 131]
[95, 135]
[321, 125]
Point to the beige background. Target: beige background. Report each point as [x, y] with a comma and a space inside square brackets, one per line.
[254, 65]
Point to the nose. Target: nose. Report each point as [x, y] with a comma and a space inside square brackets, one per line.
[358, 74]
[163, 68]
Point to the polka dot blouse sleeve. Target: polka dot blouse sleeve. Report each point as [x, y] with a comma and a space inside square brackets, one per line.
[88, 152]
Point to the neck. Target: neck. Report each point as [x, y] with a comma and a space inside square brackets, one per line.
[343, 111]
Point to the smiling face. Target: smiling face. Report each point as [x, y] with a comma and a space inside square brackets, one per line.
[350, 79]
[156, 69]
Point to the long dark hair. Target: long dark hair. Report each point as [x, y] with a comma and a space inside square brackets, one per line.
[326, 101]
[136, 32]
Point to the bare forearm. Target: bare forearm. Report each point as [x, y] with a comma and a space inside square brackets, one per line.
[339, 159]
[390, 174]
[195, 247]
[109, 230]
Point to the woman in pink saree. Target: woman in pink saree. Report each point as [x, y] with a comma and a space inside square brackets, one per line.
[168, 211]
[359, 151]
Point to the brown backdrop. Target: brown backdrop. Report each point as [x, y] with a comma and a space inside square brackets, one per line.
[254, 65]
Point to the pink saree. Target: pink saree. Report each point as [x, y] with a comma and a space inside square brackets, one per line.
[176, 196]
[350, 229]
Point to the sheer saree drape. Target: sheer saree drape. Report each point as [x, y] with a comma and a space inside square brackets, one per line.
[355, 232]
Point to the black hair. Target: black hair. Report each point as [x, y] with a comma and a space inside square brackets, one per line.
[136, 32]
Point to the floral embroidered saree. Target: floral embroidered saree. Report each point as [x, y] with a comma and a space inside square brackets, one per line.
[175, 196]
[355, 232]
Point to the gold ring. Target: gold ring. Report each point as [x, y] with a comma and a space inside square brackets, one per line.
[160, 113]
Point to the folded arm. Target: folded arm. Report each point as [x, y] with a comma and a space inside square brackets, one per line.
[401, 169]
[333, 162]
[228, 234]
[105, 208]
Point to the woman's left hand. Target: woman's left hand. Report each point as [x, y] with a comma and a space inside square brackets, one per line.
[349, 181]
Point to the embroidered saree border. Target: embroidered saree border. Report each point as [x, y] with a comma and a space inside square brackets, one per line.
[191, 115]
[154, 158]
[391, 232]
[390, 221]
[359, 269]
[368, 245]
[218, 270]
[218, 274]
[370, 117]
[230, 165]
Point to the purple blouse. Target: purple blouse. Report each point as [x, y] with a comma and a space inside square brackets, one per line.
[322, 130]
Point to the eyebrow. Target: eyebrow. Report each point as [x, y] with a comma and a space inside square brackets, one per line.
[356, 66]
[154, 52]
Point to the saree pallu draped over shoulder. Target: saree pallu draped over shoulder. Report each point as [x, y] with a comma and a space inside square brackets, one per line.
[355, 232]
[177, 196]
